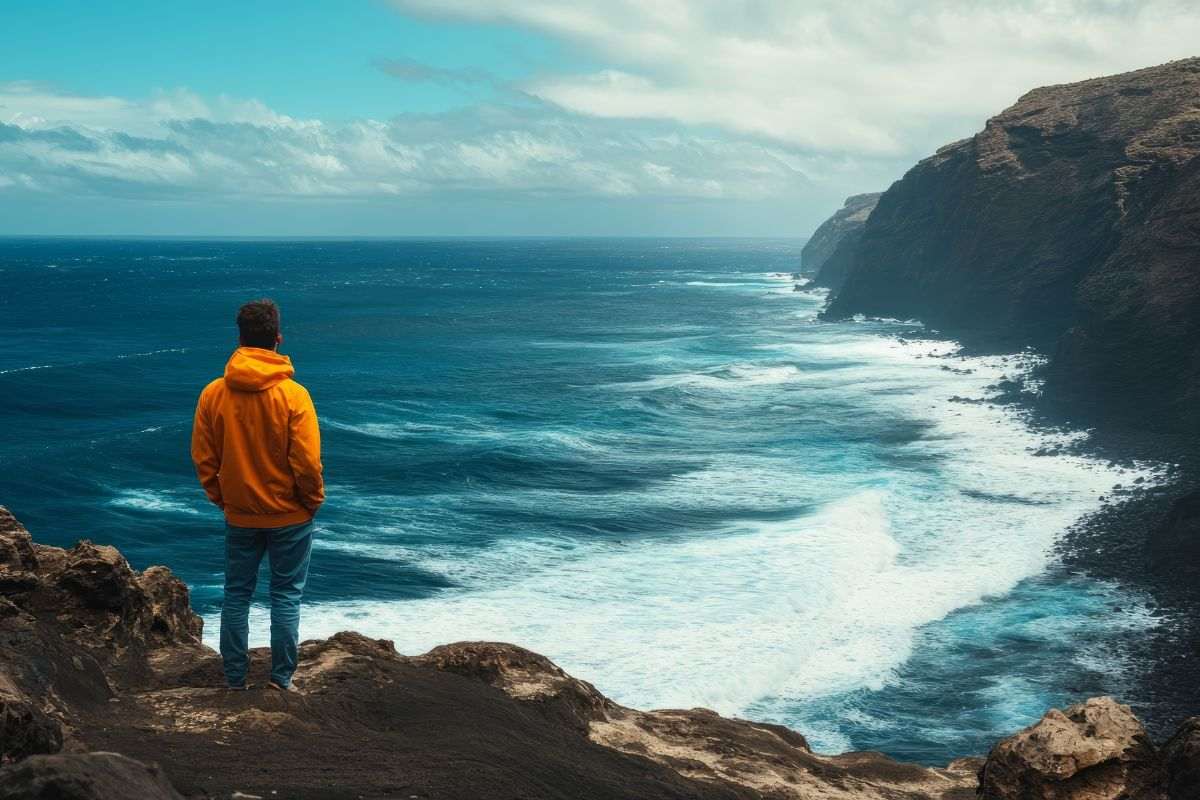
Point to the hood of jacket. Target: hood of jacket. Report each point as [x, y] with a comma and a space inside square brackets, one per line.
[253, 369]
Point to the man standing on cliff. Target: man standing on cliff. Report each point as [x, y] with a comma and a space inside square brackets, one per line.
[257, 451]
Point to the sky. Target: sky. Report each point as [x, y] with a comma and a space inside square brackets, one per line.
[515, 117]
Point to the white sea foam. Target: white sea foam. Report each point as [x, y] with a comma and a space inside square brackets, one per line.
[384, 430]
[812, 606]
[26, 369]
[797, 609]
[475, 431]
[150, 501]
[732, 376]
[79, 363]
[154, 352]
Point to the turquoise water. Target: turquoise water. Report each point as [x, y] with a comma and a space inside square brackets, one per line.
[646, 459]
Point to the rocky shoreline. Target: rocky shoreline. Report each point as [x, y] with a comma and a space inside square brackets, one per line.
[106, 691]
[1070, 224]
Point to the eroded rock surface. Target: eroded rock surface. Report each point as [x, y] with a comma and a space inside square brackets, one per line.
[1096, 750]
[75, 625]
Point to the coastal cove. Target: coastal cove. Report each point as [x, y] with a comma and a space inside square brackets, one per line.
[495, 400]
[649, 460]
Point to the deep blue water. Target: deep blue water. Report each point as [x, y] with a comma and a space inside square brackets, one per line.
[646, 459]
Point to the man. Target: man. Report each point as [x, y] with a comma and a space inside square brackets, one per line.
[257, 451]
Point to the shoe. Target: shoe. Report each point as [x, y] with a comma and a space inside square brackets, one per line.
[291, 687]
[241, 687]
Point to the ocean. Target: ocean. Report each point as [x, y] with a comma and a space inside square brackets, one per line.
[647, 459]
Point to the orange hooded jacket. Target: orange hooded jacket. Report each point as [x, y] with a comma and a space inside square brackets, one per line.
[256, 445]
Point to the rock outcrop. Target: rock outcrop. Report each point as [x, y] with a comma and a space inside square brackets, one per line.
[84, 776]
[843, 228]
[1096, 750]
[97, 659]
[76, 627]
[1071, 222]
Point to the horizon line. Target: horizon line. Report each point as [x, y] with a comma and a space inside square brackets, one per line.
[383, 237]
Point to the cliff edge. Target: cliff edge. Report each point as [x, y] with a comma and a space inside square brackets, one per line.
[844, 227]
[1071, 222]
[106, 691]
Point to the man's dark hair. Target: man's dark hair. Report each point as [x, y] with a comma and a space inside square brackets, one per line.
[258, 324]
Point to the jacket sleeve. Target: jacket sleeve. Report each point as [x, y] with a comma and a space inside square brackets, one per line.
[304, 452]
[206, 452]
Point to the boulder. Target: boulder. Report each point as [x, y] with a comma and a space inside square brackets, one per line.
[99, 576]
[171, 618]
[24, 729]
[84, 776]
[1096, 750]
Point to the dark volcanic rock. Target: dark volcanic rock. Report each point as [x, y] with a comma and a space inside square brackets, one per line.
[84, 776]
[844, 227]
[25, 730]
[99, 576]
[1175, 545]
[1181, 759]
[74, 626]
[1072, 223]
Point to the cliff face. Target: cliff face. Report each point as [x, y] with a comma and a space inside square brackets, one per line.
[1070, 222]
[106, 692]
[845, 226]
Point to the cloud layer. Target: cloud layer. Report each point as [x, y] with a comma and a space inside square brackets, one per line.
[735, 106]
[178, 144]
[870, 78]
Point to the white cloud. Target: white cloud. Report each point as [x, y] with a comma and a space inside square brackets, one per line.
[738, 104]
[180, 144]
[871, 78]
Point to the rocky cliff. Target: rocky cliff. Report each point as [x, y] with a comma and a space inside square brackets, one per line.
[845, 226]
[1071, 222]
[106, 691]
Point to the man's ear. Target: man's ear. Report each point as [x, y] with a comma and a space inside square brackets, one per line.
[278, 340]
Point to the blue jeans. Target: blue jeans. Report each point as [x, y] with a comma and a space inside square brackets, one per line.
[288, 550]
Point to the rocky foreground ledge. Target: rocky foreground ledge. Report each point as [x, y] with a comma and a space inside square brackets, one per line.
[106, 691]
